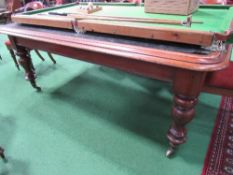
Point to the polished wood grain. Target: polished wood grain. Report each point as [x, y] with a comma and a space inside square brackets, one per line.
[186, 71]
[158, 33]
[202, 38]
[208, 62]
[187, 86]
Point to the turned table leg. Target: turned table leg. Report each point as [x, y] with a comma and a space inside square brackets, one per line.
[26, 62]
[182, 113]
[186, 87]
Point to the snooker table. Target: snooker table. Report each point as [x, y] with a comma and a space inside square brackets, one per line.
[210, 24]
[184, 64]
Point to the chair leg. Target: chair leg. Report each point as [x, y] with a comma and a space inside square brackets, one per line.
[39, 55]
[51, 57]
[13, 57]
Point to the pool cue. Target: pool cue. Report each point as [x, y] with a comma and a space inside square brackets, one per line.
[187, 22]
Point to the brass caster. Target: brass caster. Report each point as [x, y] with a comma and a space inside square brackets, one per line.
[170, 152]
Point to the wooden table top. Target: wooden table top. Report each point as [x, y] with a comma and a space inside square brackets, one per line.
[215, 22]
[156, 52]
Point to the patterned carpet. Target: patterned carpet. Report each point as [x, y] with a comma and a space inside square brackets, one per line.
[219, 158]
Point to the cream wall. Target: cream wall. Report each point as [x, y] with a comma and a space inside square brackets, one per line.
[2, 3]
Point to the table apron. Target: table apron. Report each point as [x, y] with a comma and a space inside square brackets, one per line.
[140, 67]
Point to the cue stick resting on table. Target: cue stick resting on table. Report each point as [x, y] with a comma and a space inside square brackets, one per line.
[187, 22]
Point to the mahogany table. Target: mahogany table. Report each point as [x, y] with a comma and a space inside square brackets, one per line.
[185, 66]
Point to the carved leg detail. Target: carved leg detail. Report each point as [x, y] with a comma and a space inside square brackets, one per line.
[26, 62]
[182, 113]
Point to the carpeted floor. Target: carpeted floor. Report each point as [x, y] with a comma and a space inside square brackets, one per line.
[93, 120]
[219, 156]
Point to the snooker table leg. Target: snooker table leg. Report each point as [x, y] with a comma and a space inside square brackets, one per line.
[26, 62]
[186, 86]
